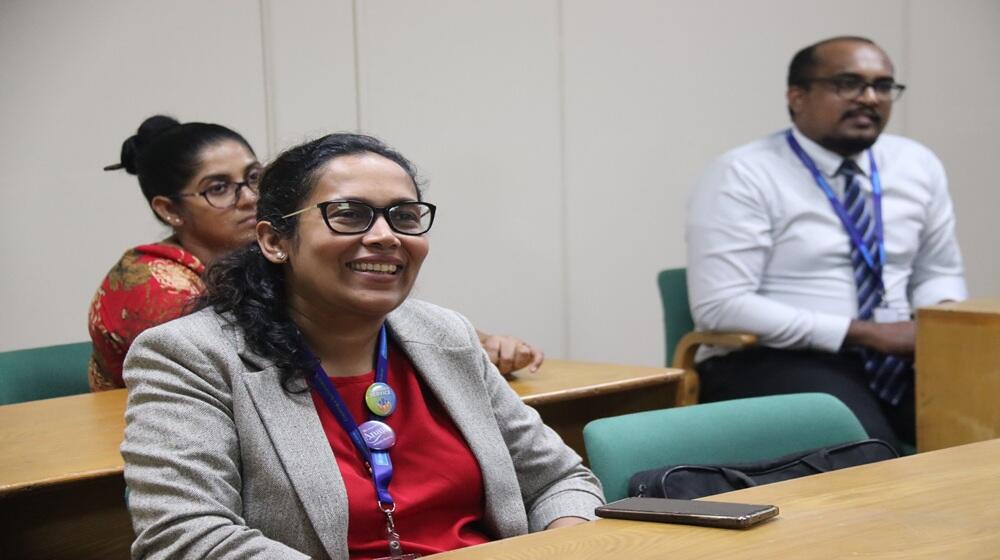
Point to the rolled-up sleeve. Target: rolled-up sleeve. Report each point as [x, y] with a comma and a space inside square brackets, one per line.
[729, 241]
[937, 269]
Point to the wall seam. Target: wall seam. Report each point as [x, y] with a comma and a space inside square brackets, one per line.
[269, 119]
[563, 184]
[907, 19]
[357, 65]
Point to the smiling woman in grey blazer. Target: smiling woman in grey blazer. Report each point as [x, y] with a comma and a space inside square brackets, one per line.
[311, 410]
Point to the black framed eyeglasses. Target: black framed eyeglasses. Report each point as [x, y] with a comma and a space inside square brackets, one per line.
[226, 194]
[353, 216]
[851, 86]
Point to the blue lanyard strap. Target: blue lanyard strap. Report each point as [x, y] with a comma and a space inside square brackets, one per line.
[874, 265]
[378, 462]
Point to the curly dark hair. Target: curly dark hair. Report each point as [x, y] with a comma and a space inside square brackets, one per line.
[250, 288]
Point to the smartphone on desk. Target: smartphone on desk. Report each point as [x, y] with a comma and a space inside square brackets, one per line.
[692, 512]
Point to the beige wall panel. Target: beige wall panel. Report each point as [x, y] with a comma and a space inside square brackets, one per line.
[470, 92]
[309, 56]
[954, 101]
[78, 78]
[494, 101]
[655, 91]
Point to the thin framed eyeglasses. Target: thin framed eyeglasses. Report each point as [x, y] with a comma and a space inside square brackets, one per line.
[852, 86]
[353, 216]
[226, 194]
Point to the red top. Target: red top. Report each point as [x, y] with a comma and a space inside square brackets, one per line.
[151, 284]
[436, 481]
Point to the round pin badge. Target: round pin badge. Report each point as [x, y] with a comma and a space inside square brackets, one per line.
[381, 399]
[377, 435]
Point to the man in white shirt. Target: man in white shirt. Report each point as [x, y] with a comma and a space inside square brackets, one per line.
[822, 240]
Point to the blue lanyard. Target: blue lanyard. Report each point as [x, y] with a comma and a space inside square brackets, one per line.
[845, 219]
[377, 462]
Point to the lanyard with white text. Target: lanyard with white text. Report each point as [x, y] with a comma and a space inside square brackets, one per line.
[874, 265]
[373, 438]
[377, 461]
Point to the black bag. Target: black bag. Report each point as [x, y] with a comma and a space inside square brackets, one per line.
[696, 481]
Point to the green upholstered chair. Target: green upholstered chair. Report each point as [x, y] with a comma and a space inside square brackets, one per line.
[725, 432]
[681, 340]
[43, 373]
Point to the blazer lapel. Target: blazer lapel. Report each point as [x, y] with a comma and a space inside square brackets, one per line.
[440, 368]
[304, 451]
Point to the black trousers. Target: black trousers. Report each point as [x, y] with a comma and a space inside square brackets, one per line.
[761, 371]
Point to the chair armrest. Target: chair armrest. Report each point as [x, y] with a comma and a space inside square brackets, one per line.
[689, 343]
[687, 392]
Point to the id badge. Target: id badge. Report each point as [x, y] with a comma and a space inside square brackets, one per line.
[885, 314]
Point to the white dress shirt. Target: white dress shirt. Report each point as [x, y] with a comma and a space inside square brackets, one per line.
[768, 255]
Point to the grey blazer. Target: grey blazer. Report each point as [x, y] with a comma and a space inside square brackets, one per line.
[221, 462]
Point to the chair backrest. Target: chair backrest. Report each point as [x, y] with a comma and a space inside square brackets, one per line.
[726, 432]
[43, 373]
[677, 320]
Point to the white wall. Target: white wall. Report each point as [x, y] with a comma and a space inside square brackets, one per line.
[955, 109]
[470, 92]
[654, 91]
[534, 122]
[77, 79]
[308, 49]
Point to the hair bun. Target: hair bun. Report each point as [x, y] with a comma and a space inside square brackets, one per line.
[133, 145]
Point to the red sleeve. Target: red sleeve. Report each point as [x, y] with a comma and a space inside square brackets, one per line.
[151, 284]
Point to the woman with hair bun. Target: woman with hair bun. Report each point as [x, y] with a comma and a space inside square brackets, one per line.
[200, 179]
[311, 409]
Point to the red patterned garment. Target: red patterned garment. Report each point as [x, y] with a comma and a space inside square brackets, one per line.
[150, 285]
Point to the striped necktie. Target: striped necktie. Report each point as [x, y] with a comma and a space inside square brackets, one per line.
[890, 375]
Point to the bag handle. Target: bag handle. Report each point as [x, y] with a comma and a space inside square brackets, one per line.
[819, 461]
[738, 479]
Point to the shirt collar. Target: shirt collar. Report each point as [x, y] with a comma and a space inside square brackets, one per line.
[826, 161]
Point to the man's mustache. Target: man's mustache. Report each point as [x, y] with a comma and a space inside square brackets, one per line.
[870, 113]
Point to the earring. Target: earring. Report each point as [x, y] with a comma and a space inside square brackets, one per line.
[280, 256]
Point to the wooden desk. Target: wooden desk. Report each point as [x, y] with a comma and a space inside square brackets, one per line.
[958, 373]
[569, 394]
[61, 484]
[934, 505]
[60, 440]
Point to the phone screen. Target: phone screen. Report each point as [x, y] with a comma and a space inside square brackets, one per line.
[693, 512]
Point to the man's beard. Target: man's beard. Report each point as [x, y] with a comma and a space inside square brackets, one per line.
[851, 146]
[847, 146]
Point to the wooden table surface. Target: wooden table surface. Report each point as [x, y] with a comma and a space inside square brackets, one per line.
[59, 440]
[936, 505]
[982, 306]
[564, 380]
